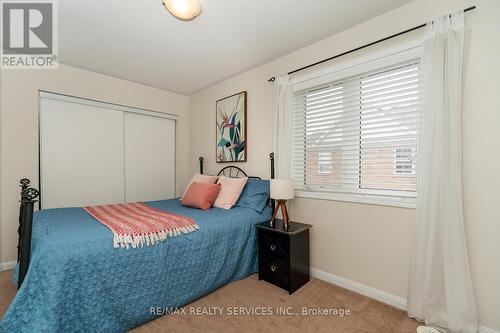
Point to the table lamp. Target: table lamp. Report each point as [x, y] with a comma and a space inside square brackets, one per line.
[281, 190]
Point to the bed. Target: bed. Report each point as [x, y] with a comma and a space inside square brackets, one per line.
[77, 281]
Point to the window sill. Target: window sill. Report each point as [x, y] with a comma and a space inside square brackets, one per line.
[370, 199]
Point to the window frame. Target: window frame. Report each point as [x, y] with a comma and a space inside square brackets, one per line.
[374, 61]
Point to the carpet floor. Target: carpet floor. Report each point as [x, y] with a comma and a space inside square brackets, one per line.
[250, 305]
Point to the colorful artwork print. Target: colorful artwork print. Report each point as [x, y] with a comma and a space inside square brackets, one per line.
[231, 116]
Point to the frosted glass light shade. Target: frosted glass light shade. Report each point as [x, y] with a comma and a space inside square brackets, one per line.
[183, 9]
[282, 189]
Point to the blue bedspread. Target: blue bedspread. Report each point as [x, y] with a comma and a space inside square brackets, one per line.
[77, 281]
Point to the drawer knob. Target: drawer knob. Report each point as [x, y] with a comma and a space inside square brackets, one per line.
[273, 247]
[274, 268]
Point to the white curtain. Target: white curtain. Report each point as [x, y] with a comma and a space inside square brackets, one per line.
[283, 127]
[440, 288]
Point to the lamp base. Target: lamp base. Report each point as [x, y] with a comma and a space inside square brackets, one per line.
[281, 204]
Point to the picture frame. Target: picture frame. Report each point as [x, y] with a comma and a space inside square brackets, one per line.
[231, 128]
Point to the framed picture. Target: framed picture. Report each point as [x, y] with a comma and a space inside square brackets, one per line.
[231, 127]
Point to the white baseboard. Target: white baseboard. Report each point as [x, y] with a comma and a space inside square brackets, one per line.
[379, 295]
[482, 329]
[7, 265]
[382, 296]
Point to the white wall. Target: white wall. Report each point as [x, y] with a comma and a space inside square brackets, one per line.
[366, 243]
[19, 128]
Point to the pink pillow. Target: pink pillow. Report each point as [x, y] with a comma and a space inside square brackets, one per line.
[230, 191]
[202, 196]
[199, 178]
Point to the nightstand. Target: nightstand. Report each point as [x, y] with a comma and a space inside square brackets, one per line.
[284, 255]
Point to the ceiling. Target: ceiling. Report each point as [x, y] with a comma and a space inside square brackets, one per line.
[140, 41]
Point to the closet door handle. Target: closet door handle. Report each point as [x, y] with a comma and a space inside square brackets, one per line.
[274, 268]
[273, 247]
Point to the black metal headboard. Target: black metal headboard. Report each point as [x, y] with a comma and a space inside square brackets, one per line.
[235, 172]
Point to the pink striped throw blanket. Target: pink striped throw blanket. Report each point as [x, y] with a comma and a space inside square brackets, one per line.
[136, 224]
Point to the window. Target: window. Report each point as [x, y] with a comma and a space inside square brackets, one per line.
[359, 135]
[324, 162]
[404, 161]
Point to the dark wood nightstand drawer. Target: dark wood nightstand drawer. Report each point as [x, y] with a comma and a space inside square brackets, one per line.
[275, 246]
[276, 272]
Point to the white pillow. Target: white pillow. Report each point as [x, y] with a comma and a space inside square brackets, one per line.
[230, 191]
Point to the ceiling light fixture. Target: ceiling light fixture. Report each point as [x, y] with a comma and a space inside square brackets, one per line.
[185, 10]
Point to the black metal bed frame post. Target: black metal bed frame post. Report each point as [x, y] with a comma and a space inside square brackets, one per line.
[24, 183]
[201, 164]
[28, 199]
[271, 157]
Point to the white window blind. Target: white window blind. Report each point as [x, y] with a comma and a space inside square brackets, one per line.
[359, 134]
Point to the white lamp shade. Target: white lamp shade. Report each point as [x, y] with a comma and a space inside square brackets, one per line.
[282, 189]
[183, 9]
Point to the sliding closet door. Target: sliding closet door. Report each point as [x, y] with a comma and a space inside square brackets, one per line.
[149, 158]
[81, 154]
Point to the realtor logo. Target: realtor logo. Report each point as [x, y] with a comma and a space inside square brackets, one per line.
[29, 34]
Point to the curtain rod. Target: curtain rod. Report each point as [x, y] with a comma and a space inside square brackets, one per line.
[362, 47]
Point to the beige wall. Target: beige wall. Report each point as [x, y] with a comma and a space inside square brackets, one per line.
[367, 243]
[19, 128]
